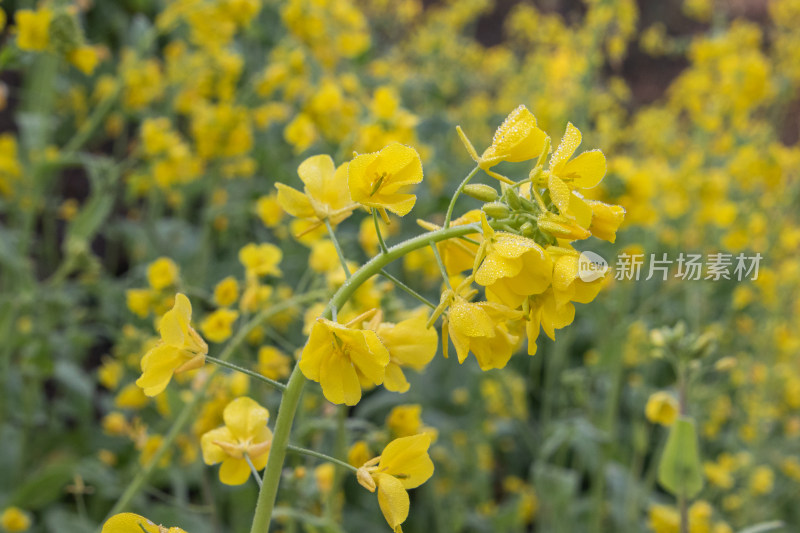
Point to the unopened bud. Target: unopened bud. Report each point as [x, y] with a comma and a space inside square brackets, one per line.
[496, 210]
[365, 479]
[511, 198]
[482, 192]
[65, 32]
[527, 229]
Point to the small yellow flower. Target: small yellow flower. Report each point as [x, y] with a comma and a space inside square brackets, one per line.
[245, 433]
[762, 480]
[404, 464]
[325, 195]
[33, 29]
[513, 267]
[661, 408]
[478, 327]
[15, 519]
[272, 363]
[340, 357]
[517, 139]
[405, 420]
[324, 474]
[606, 220]
[139, 301]
[269, 210]
[261, 259]
[216, 327]
[180, 349]
[383, 179]
[410, 344]
[162, 273]
[133, 523]
[359, 453]
[84, 58]
[226, 292]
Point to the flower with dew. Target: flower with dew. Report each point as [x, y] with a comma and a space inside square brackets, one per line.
[512, 268]
[134, 523]
[404, 464]
[325, 194]
[181, 348]
[341, 357]
[245, 436]
[517, 139]
[477, 327]
[383, 180]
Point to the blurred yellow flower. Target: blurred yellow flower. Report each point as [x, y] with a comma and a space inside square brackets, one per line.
[245, 433]
[133, 523]
[405, 420]
[273, 363]
[33, 29]
[226, 292]
[217, 326]
[162, 273]
[15, 519]
[180, 349]
[261, 259]
[661, 408]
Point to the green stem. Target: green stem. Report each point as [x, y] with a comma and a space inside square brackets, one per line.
[339, 252]
[188, 409]
[318, 455]
[253, 470]
[271, 382]
[381, 242]
[407, 289]
[294, 387]
[456, 195]
[442, 268]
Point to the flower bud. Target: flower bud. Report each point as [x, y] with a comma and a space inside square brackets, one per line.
[496, 210]
[482, 192]
[365, 479]
[511, 198]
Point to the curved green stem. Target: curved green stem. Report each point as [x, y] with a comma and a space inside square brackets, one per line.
[318, 455]
[294, 387]
[188, 409]
[339, 252]
[407, 289]
[381, 242]
[457, 194]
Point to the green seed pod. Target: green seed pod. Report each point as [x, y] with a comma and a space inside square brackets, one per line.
[496, 210]
[511, 198]
[479, 191]
[528, 230]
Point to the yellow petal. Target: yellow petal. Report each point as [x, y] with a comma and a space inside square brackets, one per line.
[129, 523]
[569, 143]
[234, 471]
[315, 172]
[294, 202]
[410, 342]
[586, 170]
[244, 417]
[559, 193]
[213, 454]
[339, 381]
[407, 459]
[315, 351]
[393, 500]
[173, 330]
[470, 320]
[395, 380]
[158, 366]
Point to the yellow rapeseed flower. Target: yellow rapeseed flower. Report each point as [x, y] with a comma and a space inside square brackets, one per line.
[245, 433]
[661, 408]
[226, 292]
[273, 363]
[162, 273]
[513, 267]
[411, 344]
[261, 259]
[340, 357]
[325, 194]
[33, 29]
[405, 420]
[383, 179]
[15, 519]
[217, 327]
[134, 523]
[180, 349]
[404, 464]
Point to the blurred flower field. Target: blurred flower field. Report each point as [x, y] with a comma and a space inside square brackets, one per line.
[373, 265]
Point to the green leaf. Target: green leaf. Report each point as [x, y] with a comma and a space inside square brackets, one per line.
[680, 471]
[45, 486]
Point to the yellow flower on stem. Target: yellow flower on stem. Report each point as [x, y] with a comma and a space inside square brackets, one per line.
[340, 357]
[134, 523]
[565, 175]
[477, 327]
[244, 436]
[517, 139]
[180, 349]
[261, 259]
[410, 344]
[162, 273]
[404, 464]
[512, 267]
[217, 326]
[325, 195]
[383, 180]
[662, 408]
[543, 312]
[606, 220]
[33, 29]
